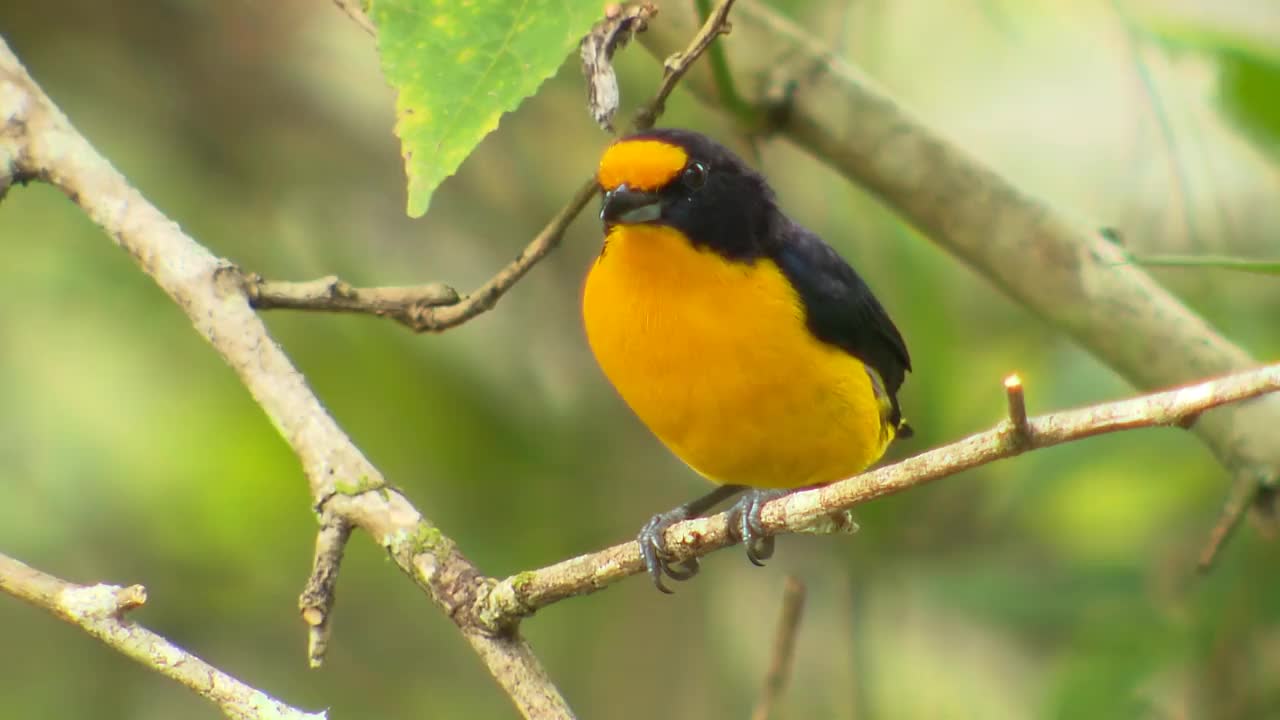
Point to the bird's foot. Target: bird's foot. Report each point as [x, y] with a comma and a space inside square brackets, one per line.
[653, 537]
[745, 522]
[653, 548]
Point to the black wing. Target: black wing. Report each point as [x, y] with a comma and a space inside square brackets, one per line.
[840, 307]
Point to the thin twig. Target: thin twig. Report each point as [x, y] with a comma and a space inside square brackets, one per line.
[37, 139]
[675, 66]
[486, 296]
[784, 645]
[433, 307]
[353, 11]
[436, 319]
[331, 294]
[316, 601]
[606, 38]
[526, 592]
[1260, 266]
[1019, 431]
[99, 611]
[438, 308]
[1080, 282]
[1241, 496]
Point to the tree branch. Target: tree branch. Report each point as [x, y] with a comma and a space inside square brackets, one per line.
[319, 595]
[357, 15]
[437, 307]
[331, 294]
[1019, 430]
[1071, 275]
[434, 307]
[483, 299]
[99, 610]
[677, 65]
[1240, 497]
[37, 140]
[784, 646]
[812, 510]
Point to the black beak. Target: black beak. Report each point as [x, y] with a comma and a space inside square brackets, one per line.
[624, 205]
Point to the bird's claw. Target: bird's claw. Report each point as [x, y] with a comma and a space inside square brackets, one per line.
[657, 559]
[746, 523]
[653, 537]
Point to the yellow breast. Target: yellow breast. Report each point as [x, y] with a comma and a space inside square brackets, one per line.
[715, 358]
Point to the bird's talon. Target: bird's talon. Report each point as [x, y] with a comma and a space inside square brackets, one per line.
[795, 303]
[745, 519]
[681, 570]
[653, 551]
[653, 538]
[760, 549]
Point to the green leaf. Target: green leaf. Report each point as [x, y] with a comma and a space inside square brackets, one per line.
[1216, 262]
[1247, 53]
[458, 65]
[1249, 86]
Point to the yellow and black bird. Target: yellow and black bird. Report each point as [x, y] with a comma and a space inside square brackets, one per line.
[747, 344]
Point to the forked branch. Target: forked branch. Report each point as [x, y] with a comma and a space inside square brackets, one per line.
[37, 142]
[809, 510]
[784, 648]
[436, 307]
[100, 611]
[1077, 278]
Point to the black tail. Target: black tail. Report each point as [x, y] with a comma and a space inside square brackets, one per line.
[904, 431]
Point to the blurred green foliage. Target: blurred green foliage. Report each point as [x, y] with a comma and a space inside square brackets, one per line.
[1249, 85]
[1241, 37]
[1056, 585]
[1215, 262]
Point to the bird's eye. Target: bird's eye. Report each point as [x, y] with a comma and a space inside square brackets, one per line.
[694, 176]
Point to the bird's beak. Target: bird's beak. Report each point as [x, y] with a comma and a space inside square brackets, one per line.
[624, 205]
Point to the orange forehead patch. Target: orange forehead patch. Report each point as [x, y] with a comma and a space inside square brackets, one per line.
[641, 164]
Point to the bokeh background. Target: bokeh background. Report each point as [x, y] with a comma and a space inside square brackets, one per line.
[1056, 585]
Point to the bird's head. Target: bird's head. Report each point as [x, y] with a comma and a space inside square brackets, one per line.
[688, 182]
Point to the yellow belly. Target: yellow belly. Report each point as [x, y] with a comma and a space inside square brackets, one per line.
[715, 358]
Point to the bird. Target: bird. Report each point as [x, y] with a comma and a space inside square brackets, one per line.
[748, 345]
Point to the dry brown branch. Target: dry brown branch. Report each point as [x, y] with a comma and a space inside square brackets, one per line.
[523, 594]
[316, 601]
[99, 610]
[423, 308]
[609, 35]
[332, 294]
[784, 645]
[1019, 430]
[675, 66]
[38, 142]
[1239, 498]
[435, 319]
[1071, 275]
[357, 15]
[434, 310]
